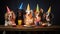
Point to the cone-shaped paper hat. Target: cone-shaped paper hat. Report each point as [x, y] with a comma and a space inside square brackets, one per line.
[28, 7]
[49, 10]
[21, 6]
[37, 8]
[8, 10]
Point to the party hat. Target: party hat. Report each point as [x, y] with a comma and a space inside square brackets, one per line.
[37, 8]
[21, 6]
[49, 10]
[28, 7]
[8, 10]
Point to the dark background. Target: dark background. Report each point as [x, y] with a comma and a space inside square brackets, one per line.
[14, 5]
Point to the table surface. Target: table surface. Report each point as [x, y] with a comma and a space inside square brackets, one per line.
[33, 28]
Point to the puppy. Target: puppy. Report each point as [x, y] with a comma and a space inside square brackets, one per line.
[10, 18]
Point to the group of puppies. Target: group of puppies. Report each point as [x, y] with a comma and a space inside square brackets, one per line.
[29, 18]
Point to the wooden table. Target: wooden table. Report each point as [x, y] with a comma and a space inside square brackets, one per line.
[34, 28]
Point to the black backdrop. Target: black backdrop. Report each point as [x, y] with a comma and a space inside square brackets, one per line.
[14, 4]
